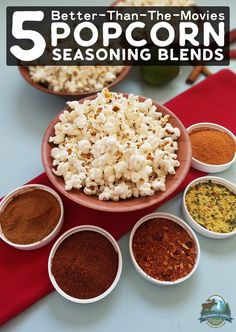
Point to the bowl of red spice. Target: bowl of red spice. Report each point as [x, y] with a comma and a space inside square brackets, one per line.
[30, 216]
[85, 264]
[164, 249]
[213, 147]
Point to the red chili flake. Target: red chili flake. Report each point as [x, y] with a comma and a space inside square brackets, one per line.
[164, 250]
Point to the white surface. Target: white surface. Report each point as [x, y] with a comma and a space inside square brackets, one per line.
[135, 305]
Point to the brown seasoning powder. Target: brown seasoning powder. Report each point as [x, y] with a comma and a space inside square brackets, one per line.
[30, 216]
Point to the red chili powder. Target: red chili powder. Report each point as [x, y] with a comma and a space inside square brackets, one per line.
[85, 264]
[164, 250]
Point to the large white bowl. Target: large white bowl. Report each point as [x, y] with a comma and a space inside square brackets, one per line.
[66, 235]
[185, 227]
[50, 236]
[209, 168]
[198, 228]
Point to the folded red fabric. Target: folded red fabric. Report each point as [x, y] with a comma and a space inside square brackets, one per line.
[24, 278]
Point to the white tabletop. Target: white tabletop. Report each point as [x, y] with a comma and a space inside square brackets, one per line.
[135, 305]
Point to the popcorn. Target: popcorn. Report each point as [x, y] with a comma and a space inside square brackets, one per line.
[57, 139]
[62, 169]
[81, 121]
[120, 168]
[158, 185]
[146, 190]
[114, 147]
[95, 174]
[122, 190]
[84, 145]
[136, 162]
[74, 79]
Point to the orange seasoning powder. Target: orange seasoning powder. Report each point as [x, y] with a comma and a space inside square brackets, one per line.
[164, 250]
[30, 216]
[212, 147]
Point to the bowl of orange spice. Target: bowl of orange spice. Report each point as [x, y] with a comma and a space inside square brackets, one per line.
[213, 147]
[164, 249]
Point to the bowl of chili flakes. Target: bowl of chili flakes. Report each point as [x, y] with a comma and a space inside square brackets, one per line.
[164, 249]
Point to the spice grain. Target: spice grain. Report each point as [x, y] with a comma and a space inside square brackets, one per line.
[212, 206]
[164, 250]
[85, 264]
[30, 216]
[212, 147]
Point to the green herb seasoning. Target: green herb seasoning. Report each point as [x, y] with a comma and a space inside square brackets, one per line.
[212, 206]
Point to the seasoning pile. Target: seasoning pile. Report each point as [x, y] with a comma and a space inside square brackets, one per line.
[164, 250]
[30, 216]
[85, 264]
[212, 146]
[212, 206]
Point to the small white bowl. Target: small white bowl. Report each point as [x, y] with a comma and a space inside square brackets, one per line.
[185, 227]
[198, 228]
[209, 168]
[6, 200]
[66, 235]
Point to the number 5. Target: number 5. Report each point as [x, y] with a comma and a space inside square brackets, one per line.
[18, 32]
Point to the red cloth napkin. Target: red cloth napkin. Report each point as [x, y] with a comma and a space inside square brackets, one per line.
[24, 278]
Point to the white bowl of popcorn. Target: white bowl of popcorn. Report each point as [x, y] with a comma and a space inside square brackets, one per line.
[116, 152]
[73, 81]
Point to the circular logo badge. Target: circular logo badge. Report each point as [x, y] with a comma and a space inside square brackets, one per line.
[215, 311]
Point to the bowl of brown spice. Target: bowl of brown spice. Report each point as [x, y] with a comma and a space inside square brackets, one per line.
[213, 147]
[85, 264]
[164, 249]
[30, 216]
